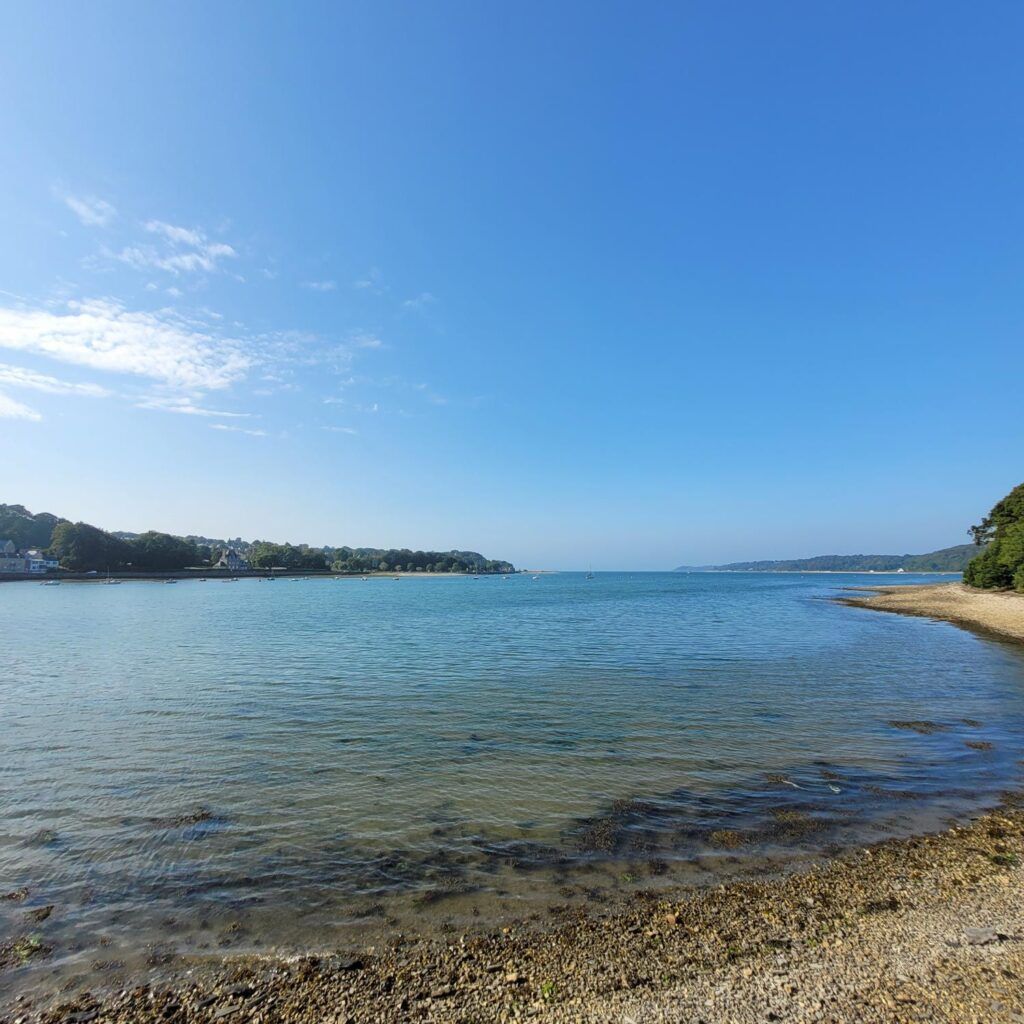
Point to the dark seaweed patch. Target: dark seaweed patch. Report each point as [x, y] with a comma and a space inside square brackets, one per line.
[923, 728]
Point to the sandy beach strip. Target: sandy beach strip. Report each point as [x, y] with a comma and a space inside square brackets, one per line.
[1000, 613]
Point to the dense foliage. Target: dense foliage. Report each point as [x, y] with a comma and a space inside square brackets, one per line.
[264, 555]
[1001, 565]
[403, 560]
[25, 529]
[84, 548]
[953, 559]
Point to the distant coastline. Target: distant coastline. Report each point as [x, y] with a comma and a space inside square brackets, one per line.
[830, 572]
[226, 576]
[953, 559]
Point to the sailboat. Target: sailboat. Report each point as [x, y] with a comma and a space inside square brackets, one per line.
[590, 572]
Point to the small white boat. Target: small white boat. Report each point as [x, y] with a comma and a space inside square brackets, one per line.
[50, 583]
[535, 577]
[170, 581]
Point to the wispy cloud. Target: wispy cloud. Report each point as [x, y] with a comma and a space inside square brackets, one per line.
[186, 407]
[191, 237]
[104, 335]
[365, 339]
[420, 302]
[341, 430]
[371, 407]
[320, 286]
[91, 211]
[19, 377]
[184, 250]
[238, 430]
[12, 410]
[371, 281]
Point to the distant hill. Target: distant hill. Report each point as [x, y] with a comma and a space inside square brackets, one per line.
[24, 528]
[952, 559]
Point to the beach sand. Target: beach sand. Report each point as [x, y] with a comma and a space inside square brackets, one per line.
[995, 612]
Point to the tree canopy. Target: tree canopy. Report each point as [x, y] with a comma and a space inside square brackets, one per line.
[25, 529]
[82, 547]
[1001, 565]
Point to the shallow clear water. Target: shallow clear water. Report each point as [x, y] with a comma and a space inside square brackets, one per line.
[289, 765]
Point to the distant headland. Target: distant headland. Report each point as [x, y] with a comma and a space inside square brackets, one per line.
[82, 548]
[954, 559]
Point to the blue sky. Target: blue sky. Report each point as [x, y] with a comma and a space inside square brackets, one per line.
[636, 285]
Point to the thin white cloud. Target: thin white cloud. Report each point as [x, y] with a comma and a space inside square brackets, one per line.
[364, 339]
[178, 235]
[186, 407]
[92, 212]
[372, 407]
[186, 250]
[19, 377]
[238, 430]
[342, 430]
[104, 335]
[12, 410]
[320, 286]
[420, 302]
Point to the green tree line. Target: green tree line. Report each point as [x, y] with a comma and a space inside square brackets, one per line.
[345, 559]
[84, 548]
[1001, 565]
[81, 547]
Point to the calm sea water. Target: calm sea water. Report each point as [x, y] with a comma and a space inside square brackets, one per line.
[289, 765]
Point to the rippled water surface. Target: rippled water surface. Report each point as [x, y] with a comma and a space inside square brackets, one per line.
[291, 764]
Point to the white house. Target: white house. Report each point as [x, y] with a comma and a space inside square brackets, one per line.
[37, 561]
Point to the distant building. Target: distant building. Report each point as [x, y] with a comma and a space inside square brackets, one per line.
[9, 558]
[232, 560]
[37, 561]
[33, 560]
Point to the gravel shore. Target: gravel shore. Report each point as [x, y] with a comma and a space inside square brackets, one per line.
[923, 929]
[996, 612]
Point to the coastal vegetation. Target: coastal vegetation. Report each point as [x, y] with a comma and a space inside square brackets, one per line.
[26, 530]
[1000, 566]
[954, 559]
[81, 547]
